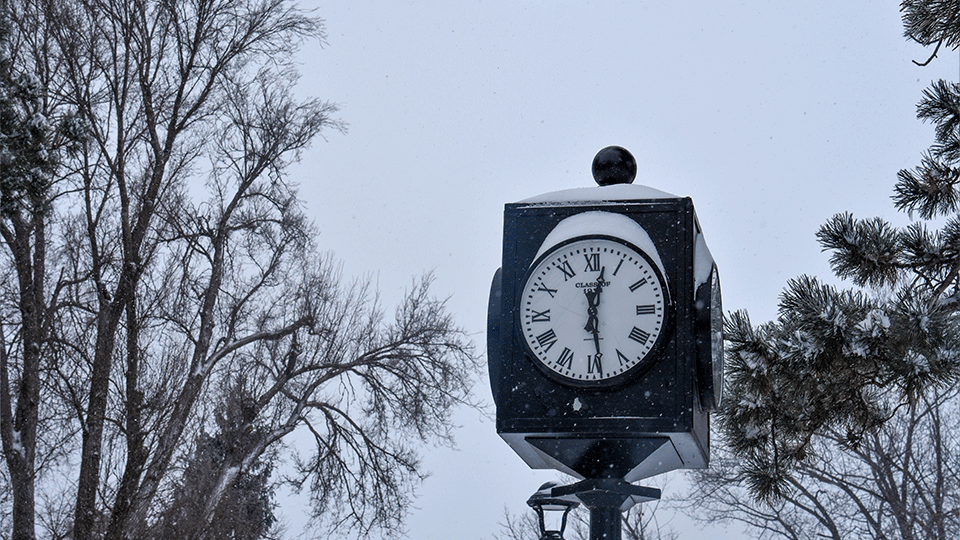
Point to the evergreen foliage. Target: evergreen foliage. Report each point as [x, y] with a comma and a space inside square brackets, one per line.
[845, 362]
[245, 510]
[31, 142]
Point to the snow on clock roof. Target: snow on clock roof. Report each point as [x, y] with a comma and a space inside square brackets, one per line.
[605, 223]
[617, 192]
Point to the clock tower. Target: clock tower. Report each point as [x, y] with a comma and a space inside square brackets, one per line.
[605, 329]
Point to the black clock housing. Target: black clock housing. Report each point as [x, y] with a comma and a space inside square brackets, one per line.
[646, 424]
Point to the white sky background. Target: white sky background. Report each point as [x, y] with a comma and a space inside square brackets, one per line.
[772, 116]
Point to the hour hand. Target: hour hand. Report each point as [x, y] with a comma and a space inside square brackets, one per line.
[593, 298]
[593, 305]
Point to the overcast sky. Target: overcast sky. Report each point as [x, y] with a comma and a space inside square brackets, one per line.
[772, 116]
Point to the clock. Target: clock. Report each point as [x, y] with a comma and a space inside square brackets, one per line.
[709, 336]
[594, 310]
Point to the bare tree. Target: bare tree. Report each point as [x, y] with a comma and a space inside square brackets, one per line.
[139, 295]
[898, 483]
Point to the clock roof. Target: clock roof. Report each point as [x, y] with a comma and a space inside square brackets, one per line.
[616, 192]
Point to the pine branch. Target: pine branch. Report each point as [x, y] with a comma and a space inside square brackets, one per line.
[930, 189]
[863, 250]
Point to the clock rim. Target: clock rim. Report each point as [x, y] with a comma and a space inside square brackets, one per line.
[640, 367]
[709, 368]
[718, 370]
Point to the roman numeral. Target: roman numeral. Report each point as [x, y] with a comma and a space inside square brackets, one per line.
[638, 284]
[540, 316]
[547, 339]
[623, 358]
[551, 292]
[566, 358]
[593, 262]
[566, 269]
[643, 310]
[639, 335]
[593, 364]
[617, 269]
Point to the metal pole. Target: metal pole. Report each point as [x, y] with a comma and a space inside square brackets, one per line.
[605, 523]
[606, 498]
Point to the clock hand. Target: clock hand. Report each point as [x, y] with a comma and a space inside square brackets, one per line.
[593, 300]
[593, 303]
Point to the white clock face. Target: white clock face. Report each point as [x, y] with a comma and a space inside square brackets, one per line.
[593, 310]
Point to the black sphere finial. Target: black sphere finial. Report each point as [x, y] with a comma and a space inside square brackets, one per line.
[614, 165]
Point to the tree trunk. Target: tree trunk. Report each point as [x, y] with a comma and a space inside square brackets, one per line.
[19, 428]
[85, 515]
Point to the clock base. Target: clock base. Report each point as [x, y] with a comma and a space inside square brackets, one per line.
[627, 458]
[606, 457]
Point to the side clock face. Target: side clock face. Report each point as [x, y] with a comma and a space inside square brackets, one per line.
[593, 311]
[709, 334]
[716, 337]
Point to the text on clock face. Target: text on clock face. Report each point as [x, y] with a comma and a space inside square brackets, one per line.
[592, 285]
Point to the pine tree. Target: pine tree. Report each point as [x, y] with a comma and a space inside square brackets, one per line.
[846, 361]
[244, 510]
